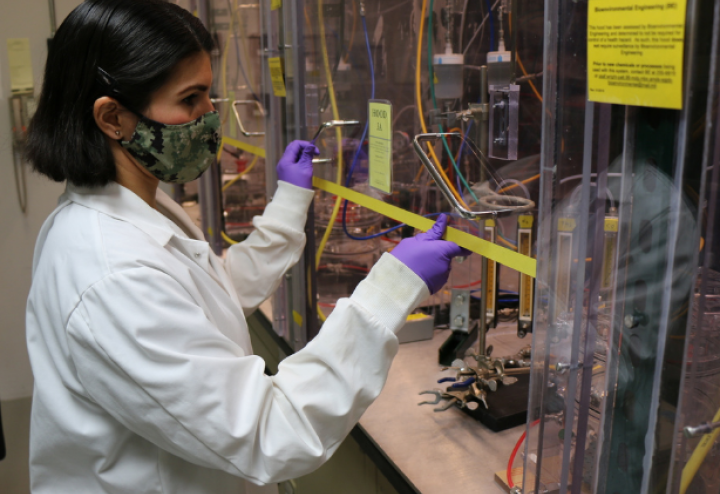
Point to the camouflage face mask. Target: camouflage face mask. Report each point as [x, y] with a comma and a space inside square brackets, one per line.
[176, 153]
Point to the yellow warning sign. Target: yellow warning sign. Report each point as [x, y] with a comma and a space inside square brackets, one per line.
[277, 76]
[635, 52]
[297, 318]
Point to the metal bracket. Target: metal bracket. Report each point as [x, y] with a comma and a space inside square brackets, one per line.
[460, 310]
[478, 111]
[239, 121]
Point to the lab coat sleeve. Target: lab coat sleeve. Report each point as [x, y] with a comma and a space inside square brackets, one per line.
[257, 264]
[147, 354]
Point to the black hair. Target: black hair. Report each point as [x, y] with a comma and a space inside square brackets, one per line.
[137, 43]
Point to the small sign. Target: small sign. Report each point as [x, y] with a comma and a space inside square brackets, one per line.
[380, 145]
[21, 74]
[525, 221]
[611, 224]
[635, 52]
[275, 4]
[566, 224]
[277, 76]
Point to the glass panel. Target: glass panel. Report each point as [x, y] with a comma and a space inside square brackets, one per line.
[620, 217]
[358, 51]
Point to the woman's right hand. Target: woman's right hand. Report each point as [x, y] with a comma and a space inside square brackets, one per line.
[428, 256]
[296, 166]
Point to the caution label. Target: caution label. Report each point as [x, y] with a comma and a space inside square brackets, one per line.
[277, 76]
[635, 52]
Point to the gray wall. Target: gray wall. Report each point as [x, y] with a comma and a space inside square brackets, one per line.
[19, 19]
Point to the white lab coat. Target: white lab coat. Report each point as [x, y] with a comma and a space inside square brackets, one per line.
[145, 380]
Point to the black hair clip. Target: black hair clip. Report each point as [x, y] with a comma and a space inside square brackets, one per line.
[110, 85]
[108, 82]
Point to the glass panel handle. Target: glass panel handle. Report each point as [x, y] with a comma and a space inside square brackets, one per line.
[500, 205]
[333, 123]
[239, 121]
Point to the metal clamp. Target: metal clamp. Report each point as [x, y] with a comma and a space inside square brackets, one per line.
[496, 208]
[237, 116]
[333, 123]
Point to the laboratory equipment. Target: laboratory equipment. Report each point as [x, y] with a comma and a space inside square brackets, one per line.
[471, 385]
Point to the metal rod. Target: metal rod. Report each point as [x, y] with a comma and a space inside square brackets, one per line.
[333, 123]
[485, 117]
[53, 20]
[483, 308]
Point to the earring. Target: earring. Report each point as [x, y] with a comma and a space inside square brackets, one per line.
[117, 132]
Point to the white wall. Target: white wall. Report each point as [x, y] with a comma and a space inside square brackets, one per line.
[20, 19]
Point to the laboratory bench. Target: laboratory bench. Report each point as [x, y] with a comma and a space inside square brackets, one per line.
[422, 451]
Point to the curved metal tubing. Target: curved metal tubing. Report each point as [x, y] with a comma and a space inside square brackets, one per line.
[443, 186]
[334, 123]
[237, 116]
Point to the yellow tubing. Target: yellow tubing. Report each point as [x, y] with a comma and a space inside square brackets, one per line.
[418, 97]
[241, 174]
[227, 239]
[526, 181]
[338, 138]
[338, 135]
[698, 456]
[243, 43]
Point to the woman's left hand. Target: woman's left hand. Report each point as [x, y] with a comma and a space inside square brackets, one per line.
[296, 166]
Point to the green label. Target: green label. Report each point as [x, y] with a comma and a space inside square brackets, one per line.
[380, 145]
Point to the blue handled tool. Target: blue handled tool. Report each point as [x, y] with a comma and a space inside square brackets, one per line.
[463, 384]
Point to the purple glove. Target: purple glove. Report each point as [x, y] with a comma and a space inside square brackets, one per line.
[429, 256]
[295, 166]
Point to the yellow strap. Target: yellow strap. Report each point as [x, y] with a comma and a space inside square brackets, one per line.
[524, 264]
[240, 145]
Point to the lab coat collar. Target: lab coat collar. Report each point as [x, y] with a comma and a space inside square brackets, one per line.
[123, 204]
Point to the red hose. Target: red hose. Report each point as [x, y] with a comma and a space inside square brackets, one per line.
[469, 284]
[511, 484]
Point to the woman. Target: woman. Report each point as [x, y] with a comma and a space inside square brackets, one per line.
[144, 375]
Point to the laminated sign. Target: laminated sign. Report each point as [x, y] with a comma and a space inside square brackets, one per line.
[635, 52]
[380, 145]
